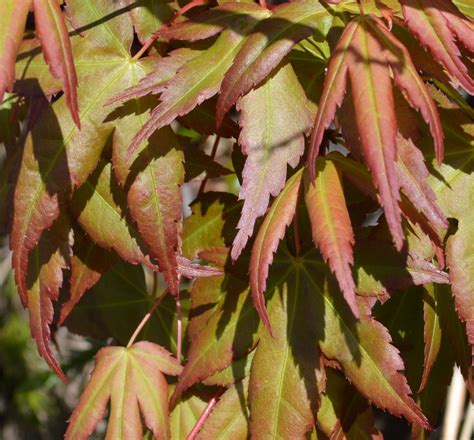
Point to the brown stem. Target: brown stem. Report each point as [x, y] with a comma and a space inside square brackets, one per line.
[145, 319]
[204, 416]
[361, 8]
[213, 155]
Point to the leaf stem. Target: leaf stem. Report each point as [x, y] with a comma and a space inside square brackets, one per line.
[204, 416]
[146, 46]
[145, 319]
[179, 332]
[213, 156]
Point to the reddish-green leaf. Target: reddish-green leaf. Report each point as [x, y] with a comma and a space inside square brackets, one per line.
[428, 23]
[268, 45]
[12, 24]
[153, 187]
[155, 82]
[376, 121]
[333, 91]
[274, 118]
[149, 16]
[331, 225]
[412, 174]
[132, 379]
[287, 374]
[99, 206]
[204, 25]
[186, 413]
[195, 82]
[52, 32]
[44, 279]
[407, 78]
[364, 351]
[57, 156]
[266, 243]
[229, 418]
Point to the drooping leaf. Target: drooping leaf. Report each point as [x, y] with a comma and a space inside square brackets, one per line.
[428, 23]
[194, 82]
[57, 156]
[287, 373]
[268, 45]
[374, 107]
[266, 243]
[229, 418]
[52, 32]
[331, 225]
[197, 161]
[152, 185]
[133, 380]
[235, 372]
[13, 13]
[44, 280]
[274, 118]
[407, 78]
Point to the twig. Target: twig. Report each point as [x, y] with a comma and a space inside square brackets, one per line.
[204, 416]
[468, 426]
[213, 155]
[145, 319]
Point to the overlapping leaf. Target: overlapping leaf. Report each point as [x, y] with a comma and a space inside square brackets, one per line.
[266, 243]
[268, 45]
[194, 82]
[274, 118]
[365, 52]
[426, 20]
[133, 380]
[331, 226]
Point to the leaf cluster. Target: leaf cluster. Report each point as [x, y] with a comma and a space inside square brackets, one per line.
[285, 312]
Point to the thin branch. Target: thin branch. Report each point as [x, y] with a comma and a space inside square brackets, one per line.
[454, 406]
[204, 416]
[213, 156]
[145, 319]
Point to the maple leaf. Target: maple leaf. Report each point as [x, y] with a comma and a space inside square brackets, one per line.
[331, 226]
[133, 380]
[266, 243]
[13, 13]
[267, 45]
[68, 155]
[365, 55]
[194, 82]
[434, 31]
[273, 118]
[286, 375]
[186, 413]
[229, 419]
[52, 32]
[44, 280]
